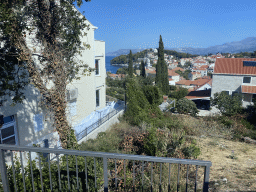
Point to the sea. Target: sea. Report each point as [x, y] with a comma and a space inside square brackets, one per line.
[109, 67]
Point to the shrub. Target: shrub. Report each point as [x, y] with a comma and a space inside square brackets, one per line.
[227, 104]
[180, 93]
[152, 94]
[186, 106]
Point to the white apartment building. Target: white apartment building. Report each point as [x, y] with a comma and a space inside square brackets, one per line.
[29, 123]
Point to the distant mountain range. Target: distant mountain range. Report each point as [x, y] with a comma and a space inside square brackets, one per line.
[245, 45]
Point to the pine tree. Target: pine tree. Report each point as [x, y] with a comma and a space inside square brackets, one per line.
[130, 65]
[161, 69]
[142, 69]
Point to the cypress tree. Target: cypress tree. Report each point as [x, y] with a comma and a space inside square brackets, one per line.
[142, 69]
[130, 65]
[161, 69]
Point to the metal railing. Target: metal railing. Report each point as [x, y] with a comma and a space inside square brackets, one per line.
[138, 172]
[98, 123]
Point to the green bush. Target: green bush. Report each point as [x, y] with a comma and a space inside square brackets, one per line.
[186, 106]
[227, 104]
[179, 94]
[226, 121]
[191, 151]
[152, 94]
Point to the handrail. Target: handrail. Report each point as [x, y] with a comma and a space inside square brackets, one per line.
[106, 155]
[106, 172]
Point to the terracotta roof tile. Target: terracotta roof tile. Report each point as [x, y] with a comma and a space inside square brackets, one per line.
[248, 89]
[233, 66]
[184, 82]
[178, 68]
[172, 73]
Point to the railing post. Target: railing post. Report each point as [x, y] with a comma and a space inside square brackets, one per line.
[105, 171]
[3, 171]
[206, 178]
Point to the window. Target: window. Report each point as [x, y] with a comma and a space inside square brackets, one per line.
[97, 98]
[8, 131]
[97, 70]
[247, 80]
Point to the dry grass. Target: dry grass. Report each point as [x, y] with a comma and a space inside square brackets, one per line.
[240, 173]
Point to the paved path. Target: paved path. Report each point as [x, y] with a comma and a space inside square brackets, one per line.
[214, 111]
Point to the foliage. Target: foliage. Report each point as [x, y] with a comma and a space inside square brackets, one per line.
[116, 93]
[138, 106]
[162, 80]
[152, 94]
[58, 29]
[54, 174]
[115, 82]
[142, 69]
[173, 88]
[227, 104]
[130, 65]
[179, 55]
[187, 64]
[186, 106]
[14, 77]
[122, 59]
[179, 94]
[122, 70]
[184, 74]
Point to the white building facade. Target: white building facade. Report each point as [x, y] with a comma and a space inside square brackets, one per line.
[29, 123]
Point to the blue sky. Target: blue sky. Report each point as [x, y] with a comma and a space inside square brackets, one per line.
[134, 24]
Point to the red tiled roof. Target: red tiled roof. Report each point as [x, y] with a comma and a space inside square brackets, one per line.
[233, 66]
[199, 61]
[200, 82]
[184, 82]
[248, 89]
[178, 68]
[170, 79]
[172, 73]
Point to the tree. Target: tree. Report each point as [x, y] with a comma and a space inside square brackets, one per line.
[186, 106]
[227, 104]
[161, 69]
[56, 27]
[121, 70]
[180, 93]
[130, 65]
[138, 106]
[142, 69]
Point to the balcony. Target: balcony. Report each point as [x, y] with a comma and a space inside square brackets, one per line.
[73, 170]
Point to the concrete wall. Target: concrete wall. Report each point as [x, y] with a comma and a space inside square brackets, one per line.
[103, 127]
[226, 82]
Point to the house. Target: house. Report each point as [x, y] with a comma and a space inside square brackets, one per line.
[235, 75]
[30, 123]
[194, 75]
[202, 70]
[196, 84]
[174, 76]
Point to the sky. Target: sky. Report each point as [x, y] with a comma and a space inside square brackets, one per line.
[125, 24]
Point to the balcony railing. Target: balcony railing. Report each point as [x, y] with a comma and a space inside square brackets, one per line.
[98, 123]
[75, 170]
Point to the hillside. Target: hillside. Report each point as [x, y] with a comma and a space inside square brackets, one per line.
[245, 45]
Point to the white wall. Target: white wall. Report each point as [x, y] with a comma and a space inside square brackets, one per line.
[83, 105]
